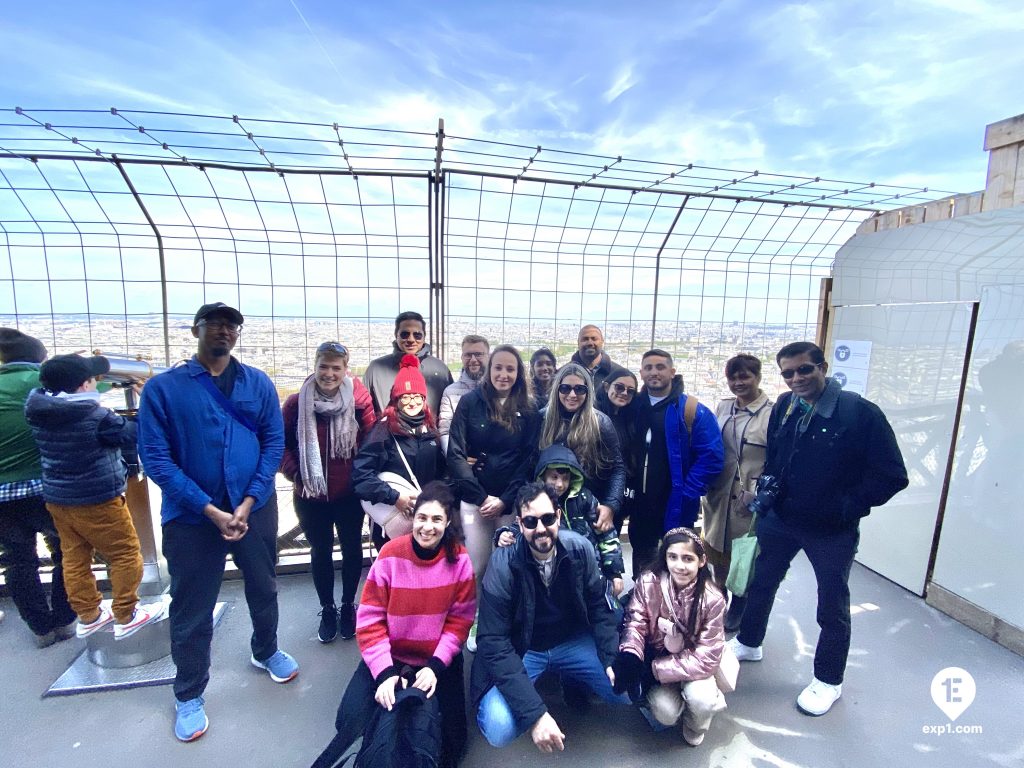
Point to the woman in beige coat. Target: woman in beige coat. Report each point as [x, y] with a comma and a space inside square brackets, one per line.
[743, 420]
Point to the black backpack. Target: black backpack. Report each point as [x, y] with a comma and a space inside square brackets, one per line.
[409, 736]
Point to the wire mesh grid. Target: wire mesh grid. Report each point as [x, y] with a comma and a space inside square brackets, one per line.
[115, 225]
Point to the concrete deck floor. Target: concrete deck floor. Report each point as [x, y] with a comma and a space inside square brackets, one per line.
[899, 644]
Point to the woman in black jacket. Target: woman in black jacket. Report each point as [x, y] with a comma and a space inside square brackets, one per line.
[571, 420]
[491, 448]
[616, 398]
[405, 435]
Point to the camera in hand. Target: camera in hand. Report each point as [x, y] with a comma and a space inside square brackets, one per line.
[768, 489]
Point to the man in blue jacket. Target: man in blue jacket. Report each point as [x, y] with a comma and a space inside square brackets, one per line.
[833, 457]
[211, 436]
[681, 453]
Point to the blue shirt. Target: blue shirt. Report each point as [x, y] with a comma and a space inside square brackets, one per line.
[199, 453]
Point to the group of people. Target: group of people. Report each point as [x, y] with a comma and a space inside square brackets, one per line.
[500, 498]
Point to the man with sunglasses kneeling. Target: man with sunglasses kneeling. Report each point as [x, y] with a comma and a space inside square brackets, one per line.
[831, 457]
[410, 339]
[542, 609]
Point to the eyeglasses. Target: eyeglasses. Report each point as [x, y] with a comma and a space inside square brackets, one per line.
[418, 335]
[221, 325]
[412, 398]
[475, 355]
[577, 389]
[547, 520]
[804, 370]
[333, 347]
[622, 389]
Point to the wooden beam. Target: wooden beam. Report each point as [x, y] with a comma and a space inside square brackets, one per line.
[1004, 133]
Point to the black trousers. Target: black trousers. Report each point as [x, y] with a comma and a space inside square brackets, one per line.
[357, 704]
[831, 556]
[646, 527]
[21, 521]
[319, 521]
[195, 559]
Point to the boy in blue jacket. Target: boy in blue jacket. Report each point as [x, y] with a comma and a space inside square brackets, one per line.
[84, 480]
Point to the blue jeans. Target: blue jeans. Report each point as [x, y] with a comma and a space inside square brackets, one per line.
[575, 661]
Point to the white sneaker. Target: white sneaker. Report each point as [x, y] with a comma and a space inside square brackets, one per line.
[744, 652]
[144, 614]
[471, 640]
[84, 630]
[818, 697]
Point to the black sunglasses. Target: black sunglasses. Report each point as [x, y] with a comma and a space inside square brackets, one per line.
[418, 335]
[332, 346]
[622, 389]
[547, 520]
[804, 370]
[577, 389]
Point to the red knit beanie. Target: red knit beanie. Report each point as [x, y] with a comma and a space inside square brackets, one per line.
[409, 380]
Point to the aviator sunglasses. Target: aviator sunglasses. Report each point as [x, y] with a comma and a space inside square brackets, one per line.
[332, 346]
[804, 370]
[547, 520]
[418, 335]
[577, 389]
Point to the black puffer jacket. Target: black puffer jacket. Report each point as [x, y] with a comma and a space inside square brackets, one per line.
[379, 453]
[504, 459]
[843, 463]
[80, 444]
[507, 604]
[610, 484]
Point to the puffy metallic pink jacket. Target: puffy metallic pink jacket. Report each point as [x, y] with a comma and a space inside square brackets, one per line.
[641, 630]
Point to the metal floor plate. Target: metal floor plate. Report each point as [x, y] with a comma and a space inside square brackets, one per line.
[85, 677]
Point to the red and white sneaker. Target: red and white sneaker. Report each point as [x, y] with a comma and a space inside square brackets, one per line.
[84, 630]
[144, 614]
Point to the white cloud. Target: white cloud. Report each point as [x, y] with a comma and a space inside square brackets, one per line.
[625, 80]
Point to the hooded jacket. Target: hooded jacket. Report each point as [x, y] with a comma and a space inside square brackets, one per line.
[80, 444]
[579, 509]
[380, 375]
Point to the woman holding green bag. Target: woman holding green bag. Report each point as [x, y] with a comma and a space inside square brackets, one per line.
[743, 420]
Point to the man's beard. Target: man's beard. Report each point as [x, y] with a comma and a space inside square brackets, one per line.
[476, 376]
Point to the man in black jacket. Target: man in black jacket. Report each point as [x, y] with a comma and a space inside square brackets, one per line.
[542, 609]
[410, 339]
[834, 456]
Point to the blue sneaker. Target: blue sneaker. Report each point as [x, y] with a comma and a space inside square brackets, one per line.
[190, 720]
[281, 667]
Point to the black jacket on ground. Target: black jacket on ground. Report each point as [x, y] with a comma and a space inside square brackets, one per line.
[845, 461]
[380, 377]
[378, 453]
[507, 608]
[504, 459]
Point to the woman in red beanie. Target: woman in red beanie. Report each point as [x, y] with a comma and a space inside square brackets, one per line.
[405, 443]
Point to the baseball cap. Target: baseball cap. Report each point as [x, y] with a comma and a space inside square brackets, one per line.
[66, 373]
[218, 308]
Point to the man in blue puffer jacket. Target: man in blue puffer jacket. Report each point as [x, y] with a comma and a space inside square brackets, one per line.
[84, 479]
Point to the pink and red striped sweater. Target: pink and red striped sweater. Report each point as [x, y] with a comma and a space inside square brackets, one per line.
[414, 609]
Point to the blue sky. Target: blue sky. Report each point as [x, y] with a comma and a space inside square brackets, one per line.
[870, 91]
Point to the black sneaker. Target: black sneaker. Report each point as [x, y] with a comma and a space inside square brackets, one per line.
[328, 624]
[347, 621]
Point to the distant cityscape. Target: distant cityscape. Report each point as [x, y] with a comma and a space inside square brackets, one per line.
[284, 346]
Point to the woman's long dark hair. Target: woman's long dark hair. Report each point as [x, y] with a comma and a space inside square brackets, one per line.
[438, 490]
[701, 583]
[519, 400]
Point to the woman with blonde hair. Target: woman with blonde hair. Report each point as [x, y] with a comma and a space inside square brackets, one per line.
[571, 419]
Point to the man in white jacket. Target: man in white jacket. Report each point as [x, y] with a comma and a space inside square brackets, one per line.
[475, 351]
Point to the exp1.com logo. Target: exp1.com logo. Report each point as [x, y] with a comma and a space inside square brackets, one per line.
[953, 691]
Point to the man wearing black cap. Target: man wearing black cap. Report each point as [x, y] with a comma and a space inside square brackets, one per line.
[211, 436]
[84, 479]
[23, 514]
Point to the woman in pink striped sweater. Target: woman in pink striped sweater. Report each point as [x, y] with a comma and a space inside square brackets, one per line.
[418, 603]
